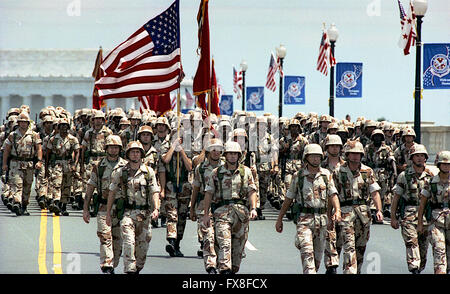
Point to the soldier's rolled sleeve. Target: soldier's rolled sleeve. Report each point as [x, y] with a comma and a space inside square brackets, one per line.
[196, 181]
[292, 191]
[331, 187]
[374, 187]
[399, 187]
[251, 183]
[425, 193]
[210, 185]
[154, 187]
[93, 179]
[115, 180]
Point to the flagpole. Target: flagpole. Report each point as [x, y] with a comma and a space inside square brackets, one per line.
[178, 136]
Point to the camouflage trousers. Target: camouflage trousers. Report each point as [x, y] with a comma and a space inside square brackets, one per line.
[136, 236]
[78, 185]
[265, 179]
[41, 186]
[355, 233]
[20, 181]
[310, 240]
[278, 187]
[110, 239]
[177, 207]
[416, 243]
[231, 225]
[333, 247]
[60, 181]
[440, 240]
[206, 237]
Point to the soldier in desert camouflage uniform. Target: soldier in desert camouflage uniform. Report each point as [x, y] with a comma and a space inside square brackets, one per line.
[205, 234]
[110, 236]
[228, 190]
[22, 145]
[313, 189]
[356, 183]
[136, 205]
[437, 192]
[406, 199]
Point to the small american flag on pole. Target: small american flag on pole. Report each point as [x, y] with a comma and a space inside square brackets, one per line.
[148, 62]
[325, 57]
[273, 67]
[237, 82]
[407, 22]
[145, 103]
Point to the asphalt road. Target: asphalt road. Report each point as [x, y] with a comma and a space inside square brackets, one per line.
[48, 244]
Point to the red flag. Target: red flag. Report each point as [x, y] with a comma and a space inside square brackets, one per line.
[202, 79]
[97, 73]
[214, 92]
[159, 103]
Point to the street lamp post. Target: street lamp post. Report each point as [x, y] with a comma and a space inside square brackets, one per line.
[420, 7]
[244, 67]
[281, 53]
[333, 34]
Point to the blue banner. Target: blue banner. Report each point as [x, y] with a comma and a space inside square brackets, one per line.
[226, 105]
[436, 66]
[294, 90]
[349, 80]
[255, 98]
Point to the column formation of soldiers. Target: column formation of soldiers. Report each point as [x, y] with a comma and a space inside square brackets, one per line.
[136, 171]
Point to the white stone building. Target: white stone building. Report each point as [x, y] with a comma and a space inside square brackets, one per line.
[63, 78]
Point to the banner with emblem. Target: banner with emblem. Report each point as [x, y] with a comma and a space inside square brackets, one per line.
[349, 80]
[255, 98]
[294, 90]
[226, 105]
[436, 66]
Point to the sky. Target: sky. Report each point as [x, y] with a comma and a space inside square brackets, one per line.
[250, 30]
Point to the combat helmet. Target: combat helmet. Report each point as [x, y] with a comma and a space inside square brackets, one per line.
[418, 149]
[135, 145]
[312, 149]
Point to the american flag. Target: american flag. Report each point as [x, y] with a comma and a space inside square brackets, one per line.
[173, 101]
[145, 103]
[273, 67]
[148, 62]
[237, 82]
[325, 57]
[189, 99]
[407, 22]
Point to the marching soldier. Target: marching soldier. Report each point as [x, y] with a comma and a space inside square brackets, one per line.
[437, 193]
[42, 184]
[229, 188]
[406, 199]
[402, 152]
[137, 199]
[60, 163]
[110, 236]
[355, 183]
[23, 145]
[313, 188]
[333, 245]
[205, 234]
[380, 158]
[177, 192]
[318, 136]
[93, 148]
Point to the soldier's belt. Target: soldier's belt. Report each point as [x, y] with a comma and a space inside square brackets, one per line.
[228, 202]
[354, 202]
[16, 158]
[133, 206]
[439, 205]
[321, 210]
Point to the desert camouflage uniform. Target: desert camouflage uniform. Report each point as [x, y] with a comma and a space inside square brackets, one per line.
[294, 160]
[176, 200]
[21, 170]
[401, 155]
[334, 241]
[110, 236]
[380, 160]
[135, 224]
[354, 193]
[60, 163]
[439, 228]
[266, 146]
[231, 216]
[312, 221]
[157, 144]
[205, 234]
[409, 187]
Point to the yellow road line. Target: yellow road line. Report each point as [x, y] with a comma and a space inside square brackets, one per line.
[57, 267]
[43, 243]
